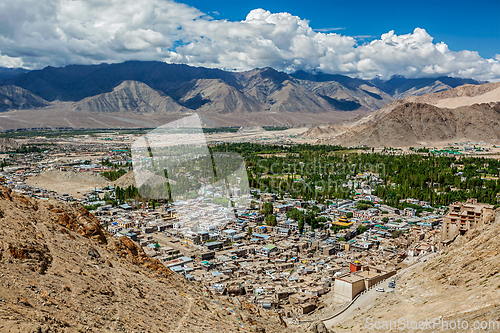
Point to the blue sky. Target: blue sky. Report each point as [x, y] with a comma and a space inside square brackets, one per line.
[371, 38]
[463, 25]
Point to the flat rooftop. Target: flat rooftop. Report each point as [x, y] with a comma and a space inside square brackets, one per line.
[351, 278]
[367, 274]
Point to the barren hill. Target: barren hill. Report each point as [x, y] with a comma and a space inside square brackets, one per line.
[450, 115]
[8, 144]
[413, 124]
[13, 97]
[461, 282]
[130, 96]
[324, 131]
[126, 180]
[70, 182]
[62, 272]
[215, 95]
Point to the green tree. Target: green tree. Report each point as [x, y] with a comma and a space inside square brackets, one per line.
[362, 229]
[271, 220]
[267, 208]
[301, 225]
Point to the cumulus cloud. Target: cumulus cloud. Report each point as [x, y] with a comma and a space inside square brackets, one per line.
[35, 34]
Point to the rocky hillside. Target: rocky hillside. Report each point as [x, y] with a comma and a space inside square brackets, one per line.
[462, 282]
[61, 272]
[12, 97]
[130, 96]
[215, 95]
[451, 115]
[7, 144]
[416, 124]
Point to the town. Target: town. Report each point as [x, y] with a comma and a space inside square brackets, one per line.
[299, 253]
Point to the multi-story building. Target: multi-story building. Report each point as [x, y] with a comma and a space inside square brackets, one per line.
[464, 216]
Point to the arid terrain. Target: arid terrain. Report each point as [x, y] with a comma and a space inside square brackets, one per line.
[8, 144]
[61, 272]
[72, 183]
[465, 113]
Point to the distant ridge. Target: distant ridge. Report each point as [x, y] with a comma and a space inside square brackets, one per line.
[142, 93]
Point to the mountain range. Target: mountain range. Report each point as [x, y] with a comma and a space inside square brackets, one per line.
[143, 94]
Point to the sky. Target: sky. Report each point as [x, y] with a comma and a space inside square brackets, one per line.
[463, 25]
[357, 38]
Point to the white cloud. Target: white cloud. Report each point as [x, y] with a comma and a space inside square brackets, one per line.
[35, 34]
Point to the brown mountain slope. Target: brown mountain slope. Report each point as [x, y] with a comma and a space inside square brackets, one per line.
[325, 131]
[413, 124]
[293, 97]
[61, 272]
[214, 95]
[8, 144]
[130, 96]
[475, 94]
[460, 282]
[260, 83]
[367, 96]
[12, 97]
[435, 87]
[465, 95]
[467, 90]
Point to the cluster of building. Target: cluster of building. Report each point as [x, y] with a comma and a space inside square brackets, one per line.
[233, 252]
[276, 267]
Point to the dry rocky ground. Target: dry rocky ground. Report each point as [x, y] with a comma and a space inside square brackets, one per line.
[462, 282]
[73, 183]
[61, 272]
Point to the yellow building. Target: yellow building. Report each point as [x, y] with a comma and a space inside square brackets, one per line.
[342, 222]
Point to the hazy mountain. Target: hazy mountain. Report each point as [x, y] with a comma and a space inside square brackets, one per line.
[12, 97]
[399, 86]
[293, 97]
[8, 73]
[260, 83]
[75, 82]
[130, 96]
